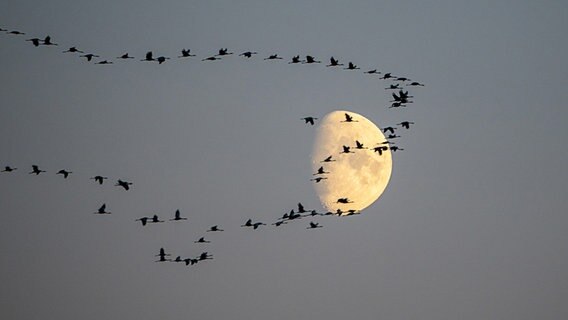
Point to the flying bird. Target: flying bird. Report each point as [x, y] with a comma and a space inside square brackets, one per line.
[403, 79]
[406, 124]
[47, 42]
[143, 220]
[214, 228]
[149, 57]
[34, 41]
[374, 71]
[8, 169]
[125, 184]
[212, 58]
[295, 59]
[318, 179]
[16, 32]
[65, 173]
[125, 56]
[102, 210]
[273, 57]
[163, 255]
[224, 52]
[104, 62]
[310, 59]
[346, 149]
[392, 136]
[380, 149]
[99, 179]
[320, 171]
[73, 50]
[301, 208]
[279, 223]
[310, 120]
[344, 200]
[351, 66]
[334, 62]
[393, 87]
[387, 75]
[328, 159]
[178, 216]
[359, 145]
[89, 56]
[202, 240]
[205, 256]
[36, 170]
[349, 118]
[395, 148]
[390, 129]
[247, 54]
[185, 53]
[314, 225]
[155, 219]
[162, 59]
[415, 84]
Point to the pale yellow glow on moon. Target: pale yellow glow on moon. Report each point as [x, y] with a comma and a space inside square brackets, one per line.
[361, 176]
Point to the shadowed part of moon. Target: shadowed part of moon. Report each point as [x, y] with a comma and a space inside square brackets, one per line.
[361, 176]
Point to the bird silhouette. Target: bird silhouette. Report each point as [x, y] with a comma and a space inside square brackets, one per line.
[380, 149]
[125, 56]
[47, 42]
[310, 120]
[318, 179]
[34, 41]
[247, 54]
[334, 62]
[403, 79]
[248, 223]
[359, 145]
[65, 173]
[224, 52]
[392, 136]
[312, 213]
[320, 171]
[36, 170]
[202, 240]
[406, 124]
[295, 59]
[310, 59]
[344, 200]
[124, 184]
[178, 259]
[73, 50]
[143, 220]
[279, 223]
[301, 208]
[102, 210]
[314, 225]
[389, 129]
[374, 71]
[328, 159]
[104, 62]
[99, 179]
[351, 66]
[395, 148]
[415, 84]
[90, 56]
[214, 228]
[212, 58]
[162, 59]
[205, 256]
[185, 53]
[292, 215]
[349, 118]
[178, 216]
[387, 75]
[149, 56]
[189, 261]
[163, 255]
[8, 169]
[346, 149]
[393, 87]
[16, 33]
[155, 219]
[273, 57]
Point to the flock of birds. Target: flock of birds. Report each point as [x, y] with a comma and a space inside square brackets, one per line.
[401, 98]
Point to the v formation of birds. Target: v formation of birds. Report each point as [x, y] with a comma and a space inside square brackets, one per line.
[401, 98]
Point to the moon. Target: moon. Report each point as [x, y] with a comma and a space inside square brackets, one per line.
[362, 176]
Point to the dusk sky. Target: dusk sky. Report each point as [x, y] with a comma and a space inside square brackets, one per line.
[472, 224]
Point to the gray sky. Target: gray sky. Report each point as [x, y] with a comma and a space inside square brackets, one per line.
[472, 225]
